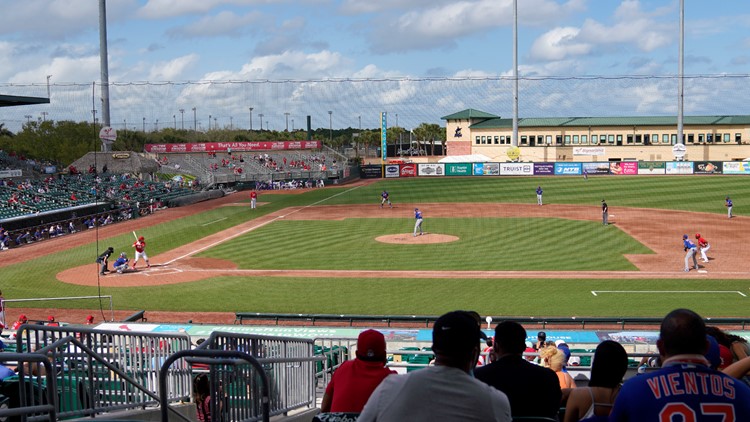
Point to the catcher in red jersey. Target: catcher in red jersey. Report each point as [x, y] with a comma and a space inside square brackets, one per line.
[140, 251]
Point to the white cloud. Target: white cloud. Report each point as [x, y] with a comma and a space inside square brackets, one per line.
[221, 24]
[559, 44]
[172, 70]
[160, 9]
[63, 69]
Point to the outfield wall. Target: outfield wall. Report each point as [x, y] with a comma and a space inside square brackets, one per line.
[615, 168]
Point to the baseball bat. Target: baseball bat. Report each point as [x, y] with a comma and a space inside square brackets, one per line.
[135, 235]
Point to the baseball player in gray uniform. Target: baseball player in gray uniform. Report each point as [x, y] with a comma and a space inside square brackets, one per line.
[418, 222]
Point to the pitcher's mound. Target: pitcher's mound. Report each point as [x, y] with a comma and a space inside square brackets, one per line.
[408, 238]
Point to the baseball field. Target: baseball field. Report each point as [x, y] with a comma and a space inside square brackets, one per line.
[487, 247]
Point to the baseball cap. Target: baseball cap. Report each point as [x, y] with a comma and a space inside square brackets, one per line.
[22, 317]
[541, 335]
[684, 236]
[697, 235]
[50, 318]
[90, 318]
[371, 346]
[456, 332]
[559, 342]
[713, 355]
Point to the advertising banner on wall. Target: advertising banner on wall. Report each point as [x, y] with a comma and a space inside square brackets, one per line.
[596, 167]
[371, 172]
[623, 167]
[486, 169]
[10, 173]
[544, 169]
[679, 167]
[707, 167]
[408, 170]
[431, 169]
[736, 167]
[458, 169]
[588, 151]
[516, 169]
[652, 167]
[567, 169]
[392, 170]
[234, 146]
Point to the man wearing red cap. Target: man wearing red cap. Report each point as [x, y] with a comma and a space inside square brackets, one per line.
[445, 392]
[21, 320]
[51, 321]
[89, 320]
[140, 251]
[354, 381]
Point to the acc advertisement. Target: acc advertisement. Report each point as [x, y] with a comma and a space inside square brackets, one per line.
[486, 169]
[408, 170]
[431, 169]
[736, 167]
[623, 167]
[594, 167]
[567, 169]
[652, 167]
[679, 167]
[392, 170]
[458, 169]
[707, 167]
[517, 169]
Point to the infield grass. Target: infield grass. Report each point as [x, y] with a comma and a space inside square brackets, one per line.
[542, 244]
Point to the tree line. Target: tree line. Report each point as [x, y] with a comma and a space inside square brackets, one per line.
[65, 141]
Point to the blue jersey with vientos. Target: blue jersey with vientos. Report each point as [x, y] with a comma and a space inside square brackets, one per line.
[418, 215]
[688, 243]
[683, 391]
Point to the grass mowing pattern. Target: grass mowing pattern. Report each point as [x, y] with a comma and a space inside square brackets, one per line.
[415, 296]
[489, 244]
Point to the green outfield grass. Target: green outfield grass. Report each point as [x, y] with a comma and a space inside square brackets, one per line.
[542, 244]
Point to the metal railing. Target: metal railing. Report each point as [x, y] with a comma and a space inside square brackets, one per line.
[98, 371]
[288, 364]
[31, 394]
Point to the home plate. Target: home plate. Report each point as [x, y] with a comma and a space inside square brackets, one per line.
[702, 271]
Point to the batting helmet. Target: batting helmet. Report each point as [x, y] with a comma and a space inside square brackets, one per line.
[141, 239]
[697, 235]
[684, 236]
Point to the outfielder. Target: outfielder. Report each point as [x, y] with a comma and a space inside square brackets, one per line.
[539, 192]
[418, 223]
[703, 245]
[385, 197]
[690, 252]
[140, 252]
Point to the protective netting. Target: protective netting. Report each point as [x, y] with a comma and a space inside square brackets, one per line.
[223, 104]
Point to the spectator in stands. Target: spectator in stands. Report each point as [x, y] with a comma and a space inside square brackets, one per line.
[531, 389]
[725, 352]
[685, 387]
[737, 345]
[202, 398]
[446, 391]
[565, 349]
[355, 380]
[594, 403]
[541, 337]
[554, 359]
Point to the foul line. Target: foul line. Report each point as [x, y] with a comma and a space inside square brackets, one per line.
[215, 221]
[596, 292]
[257, 226]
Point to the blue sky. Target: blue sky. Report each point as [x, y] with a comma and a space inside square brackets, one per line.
[303, 40]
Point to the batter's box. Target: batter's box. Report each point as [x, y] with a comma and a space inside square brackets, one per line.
[161, 271]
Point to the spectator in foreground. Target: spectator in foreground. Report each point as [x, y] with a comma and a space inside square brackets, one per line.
[554, 359]
[531, 389]
[594, 403]
[685, 387]
[445, 392]
[355, 380]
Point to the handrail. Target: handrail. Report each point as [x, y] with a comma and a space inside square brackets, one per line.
[427, 320]
[51, 406]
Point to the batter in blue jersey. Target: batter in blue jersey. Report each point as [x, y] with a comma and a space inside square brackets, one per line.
[418, 222]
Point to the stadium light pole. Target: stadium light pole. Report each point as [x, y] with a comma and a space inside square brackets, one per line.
[28, 118]
[360, 123]
[209, 122]
[286, 115]
[195, 120]
[261, 122]
[330, 126]
[251, 118]
[182, 118]
[216, 124]
[680, 77]
[44, 116]
[174, 117]
[144, 125]
[156, 125]
[514, 139]
[231, 123]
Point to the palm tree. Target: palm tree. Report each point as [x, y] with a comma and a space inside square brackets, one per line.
[4, 131]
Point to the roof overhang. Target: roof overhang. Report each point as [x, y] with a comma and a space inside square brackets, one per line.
[15, 100]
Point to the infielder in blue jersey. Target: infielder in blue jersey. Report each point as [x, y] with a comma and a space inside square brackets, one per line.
[690, 252]
[418, 223]
[728, 203]
[685, 388]
[539, 192]
[385, 197]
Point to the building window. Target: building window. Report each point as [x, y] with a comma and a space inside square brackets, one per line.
[710, 138]
[611, 139]
[738, 137]
[558, 139]
[674, 138]
[629, 139]
[690, 138]
[700, 138]
[585, 139]
[594, 139]
[502, 140]
[726, 137]
[548, 139]
[497, 139]
[477, 140]
[567, 139]
[664, 138]
[524, 140]
[484, 140]
[619, 139]
[575, 140]
[655, 138]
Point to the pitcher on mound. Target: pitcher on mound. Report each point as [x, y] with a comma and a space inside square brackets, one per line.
[140, 252]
